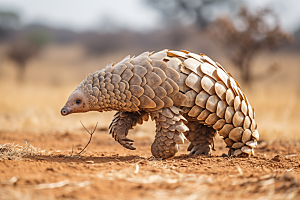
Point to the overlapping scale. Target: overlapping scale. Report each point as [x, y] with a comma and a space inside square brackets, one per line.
[221, 89]
[208, 84]
[209, 70]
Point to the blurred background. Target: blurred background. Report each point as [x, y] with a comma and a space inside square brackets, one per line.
[48, 47]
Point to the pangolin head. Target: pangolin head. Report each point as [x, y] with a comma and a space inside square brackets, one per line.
[79, 101]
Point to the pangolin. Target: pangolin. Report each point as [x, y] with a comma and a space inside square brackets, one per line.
[188, 95]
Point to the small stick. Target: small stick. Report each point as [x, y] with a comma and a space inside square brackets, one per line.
[91, 134]
[72, 151]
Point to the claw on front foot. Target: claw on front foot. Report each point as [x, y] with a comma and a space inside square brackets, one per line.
[127, 143]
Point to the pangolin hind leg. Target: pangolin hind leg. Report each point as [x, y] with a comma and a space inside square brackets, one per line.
[169, 132]
[201, 138]
[122, 122]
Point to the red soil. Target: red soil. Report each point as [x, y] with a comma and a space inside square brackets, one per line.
[109, 171]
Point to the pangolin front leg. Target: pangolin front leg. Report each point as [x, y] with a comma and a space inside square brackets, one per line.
[169, 132]
[122, 122]
[201, 138]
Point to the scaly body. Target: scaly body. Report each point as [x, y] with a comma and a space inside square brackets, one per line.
[188, 95]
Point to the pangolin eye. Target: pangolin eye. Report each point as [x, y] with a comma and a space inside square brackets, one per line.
[78, 101]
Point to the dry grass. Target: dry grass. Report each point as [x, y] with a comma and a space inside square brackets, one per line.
[13, 151]
[35, 105]
[277, 113]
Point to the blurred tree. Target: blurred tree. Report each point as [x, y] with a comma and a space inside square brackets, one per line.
[297, 38]
[201, 12]
[9, 21]
[38, 38]
[20, 50]
[20, 53]
[244, 37]
[198, 13]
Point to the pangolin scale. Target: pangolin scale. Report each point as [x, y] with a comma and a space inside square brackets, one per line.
[188, 95]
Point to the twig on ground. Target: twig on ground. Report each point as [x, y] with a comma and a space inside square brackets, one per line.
[72, 151]
[91, 135]
[71, 156]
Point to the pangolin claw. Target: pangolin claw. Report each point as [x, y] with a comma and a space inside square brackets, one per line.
[127, 143]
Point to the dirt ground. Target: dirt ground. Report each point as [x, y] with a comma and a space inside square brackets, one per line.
[109, 171]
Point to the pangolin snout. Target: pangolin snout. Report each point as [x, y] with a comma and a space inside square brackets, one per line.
[64, 111]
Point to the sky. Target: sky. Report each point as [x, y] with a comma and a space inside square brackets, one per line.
[85, 15]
